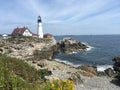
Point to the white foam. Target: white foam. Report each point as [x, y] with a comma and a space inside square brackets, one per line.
[89, 47]
[101, 68]
[74, 52]
[67, 62]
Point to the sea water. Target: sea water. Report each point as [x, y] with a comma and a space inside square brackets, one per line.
[102, 49]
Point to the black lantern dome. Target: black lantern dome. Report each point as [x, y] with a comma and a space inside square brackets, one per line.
[39, 19]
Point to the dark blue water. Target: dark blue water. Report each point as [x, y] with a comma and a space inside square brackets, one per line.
[104, 49]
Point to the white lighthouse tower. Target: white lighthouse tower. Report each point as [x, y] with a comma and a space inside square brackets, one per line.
[40, 31]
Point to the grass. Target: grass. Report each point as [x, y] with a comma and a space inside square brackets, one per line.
[15, 74]
[28, 38]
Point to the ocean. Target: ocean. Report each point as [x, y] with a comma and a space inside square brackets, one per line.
[102, 49]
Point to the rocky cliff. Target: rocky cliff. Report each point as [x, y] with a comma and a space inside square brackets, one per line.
[38, 49]
[28, 47]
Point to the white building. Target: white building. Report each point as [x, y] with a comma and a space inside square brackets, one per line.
[23, 32]
[5, 36]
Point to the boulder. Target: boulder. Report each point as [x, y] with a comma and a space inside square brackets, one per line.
[117, 66]
[46, 53]
[68, 45]
[109, 72]
[90, 69]
[2, 50]
[101, 73]
[76, 78]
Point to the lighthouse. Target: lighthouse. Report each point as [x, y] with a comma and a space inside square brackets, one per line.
[40, 31]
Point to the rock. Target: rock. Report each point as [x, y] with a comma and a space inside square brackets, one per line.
[45, 53]
[2, 50]
[90, 69]
[27, 47]
[109, 72]
[117, 60]
[100, 73]
[76, 78]
[68, 45]
[41, 64]
[9, 50]
[31, 45]
[117, 66]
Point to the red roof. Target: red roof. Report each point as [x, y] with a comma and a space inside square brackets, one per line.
[18, 31]
[48, 35]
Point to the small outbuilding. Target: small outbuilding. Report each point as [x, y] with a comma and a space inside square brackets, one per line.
[5, 36]
[48, 35]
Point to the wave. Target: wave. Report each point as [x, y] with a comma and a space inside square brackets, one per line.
[89, 47]
[74, 52]
[67, 62]
[101, 68]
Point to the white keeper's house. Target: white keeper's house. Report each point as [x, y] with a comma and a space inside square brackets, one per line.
[23, 32]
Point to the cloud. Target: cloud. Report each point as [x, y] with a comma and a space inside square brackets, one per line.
[68, 13]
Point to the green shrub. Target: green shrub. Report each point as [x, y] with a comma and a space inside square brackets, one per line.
[16, 74]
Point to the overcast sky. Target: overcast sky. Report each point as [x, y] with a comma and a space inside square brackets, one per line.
[62, 17]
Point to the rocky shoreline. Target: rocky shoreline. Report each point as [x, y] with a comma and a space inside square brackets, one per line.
[85, 80]
[39, 53]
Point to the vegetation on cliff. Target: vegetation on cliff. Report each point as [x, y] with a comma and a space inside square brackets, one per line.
[16, 74]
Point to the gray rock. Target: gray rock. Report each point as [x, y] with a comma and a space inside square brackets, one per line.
[76, 78]
[2, 50]
[68, 45]
[117, 66]
[109, 72]
[29, 47]
[45, 53]
[90, 69]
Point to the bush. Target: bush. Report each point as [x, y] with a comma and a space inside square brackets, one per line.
[59, 85]
[16, 74]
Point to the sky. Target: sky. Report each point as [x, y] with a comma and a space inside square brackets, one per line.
[62, 17]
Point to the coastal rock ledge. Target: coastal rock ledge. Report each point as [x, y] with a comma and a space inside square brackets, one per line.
[117, 66]
[29, 48]
[69, 45]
